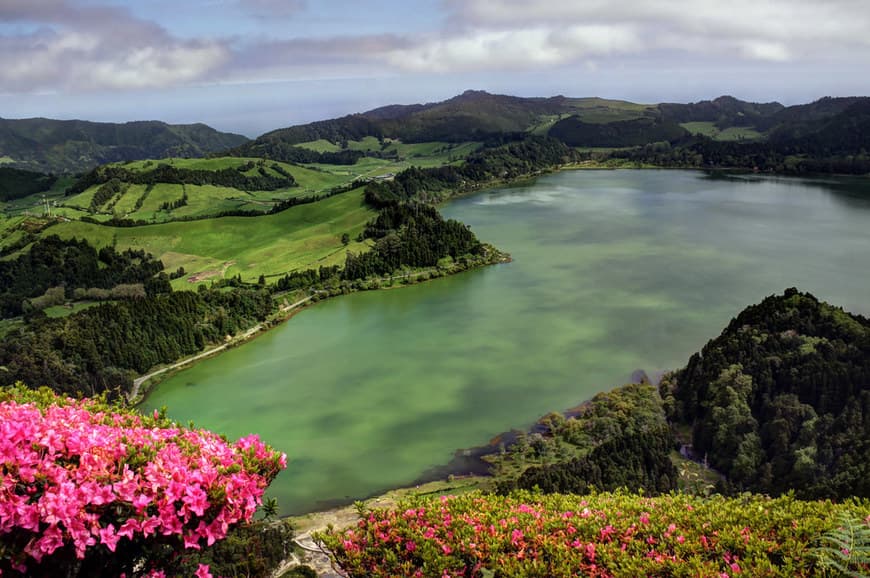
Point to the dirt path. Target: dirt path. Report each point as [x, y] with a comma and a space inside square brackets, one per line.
[137, 383]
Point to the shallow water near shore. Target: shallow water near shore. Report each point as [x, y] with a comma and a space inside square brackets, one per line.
[613, 271]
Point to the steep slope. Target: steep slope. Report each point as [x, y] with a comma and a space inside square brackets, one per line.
[781, 399]
[51, 145]
[844, 132]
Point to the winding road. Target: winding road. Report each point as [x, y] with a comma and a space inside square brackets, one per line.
[137, 383]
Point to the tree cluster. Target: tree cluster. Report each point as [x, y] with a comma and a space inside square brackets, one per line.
[504, 161]
[781, 400]
[619, 439]
[412, 235]
[625, 133]
[283, 151]
[307, 278]
[72, 264]
[165, 173]
[101, 348]
[18, 183]
[638, 460]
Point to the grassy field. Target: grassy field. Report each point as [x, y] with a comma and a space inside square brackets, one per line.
[703, 128]
[298, 238]
[602, 110]
[143, 203]
[739, 133]
[321, 146]
[66, 310]
[208, 164]
[729, 134]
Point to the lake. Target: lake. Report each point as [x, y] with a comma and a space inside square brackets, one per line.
[613, 271]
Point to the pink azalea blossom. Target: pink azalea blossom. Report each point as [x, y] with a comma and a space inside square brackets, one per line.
[73, 475]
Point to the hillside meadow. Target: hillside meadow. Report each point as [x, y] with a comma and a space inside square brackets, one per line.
[305, 236]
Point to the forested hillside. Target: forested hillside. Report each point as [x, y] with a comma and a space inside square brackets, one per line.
[493, 164]
[18, 183]
[618, 439]
[574, 132]
[53, 269]
[101, 349]
[781, 399]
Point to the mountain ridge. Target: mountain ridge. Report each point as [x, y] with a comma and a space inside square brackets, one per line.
[58, 146]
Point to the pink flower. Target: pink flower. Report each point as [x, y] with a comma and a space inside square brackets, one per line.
[109, 537]
[78, 467]
[203, 571]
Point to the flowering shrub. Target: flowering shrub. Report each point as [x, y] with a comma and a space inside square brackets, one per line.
[599, 535]
[91, 489]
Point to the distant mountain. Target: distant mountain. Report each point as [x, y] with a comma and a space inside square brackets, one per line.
[828, 135]
[471, 116]
[724, 112]
[58, 146]
[831, 125]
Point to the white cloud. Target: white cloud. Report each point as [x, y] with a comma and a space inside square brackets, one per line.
[761, 50]
[513, 48]
[97, 47]
[755, 29]
[84, 45]
[151, 66]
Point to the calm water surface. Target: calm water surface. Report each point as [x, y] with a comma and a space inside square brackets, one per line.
[613, 271]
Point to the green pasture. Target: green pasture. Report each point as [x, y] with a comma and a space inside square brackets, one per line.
[320, 145]
[739, 133]
[66, 310]
[208, 200]
[298, 238]
[731, 133]
[368, 143]
[705, 128]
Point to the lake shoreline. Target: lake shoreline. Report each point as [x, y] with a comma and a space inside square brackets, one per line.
[145, 384]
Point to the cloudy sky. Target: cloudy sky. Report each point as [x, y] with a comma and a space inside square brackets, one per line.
[253, 65]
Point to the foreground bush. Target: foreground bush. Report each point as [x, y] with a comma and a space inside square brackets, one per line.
[94, 490]
[599, 535]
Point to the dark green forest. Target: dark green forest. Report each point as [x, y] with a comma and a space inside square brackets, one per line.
[412, 235]
[18, 183]
[278, 150]
[781, 399]
[115, 175]
[631, 460]
[70, 264]
[618, 439]
[102, 348]
[627, 133]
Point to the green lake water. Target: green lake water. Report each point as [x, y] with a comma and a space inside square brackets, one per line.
[613, 271]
